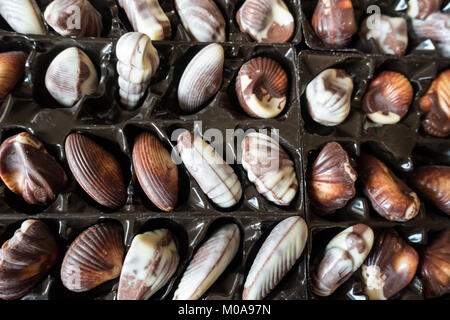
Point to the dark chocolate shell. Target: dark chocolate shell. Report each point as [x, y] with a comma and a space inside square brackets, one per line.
[12, 67]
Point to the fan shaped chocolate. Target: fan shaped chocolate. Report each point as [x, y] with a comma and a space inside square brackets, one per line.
[12, 68]
[23, 16]
[421, 9]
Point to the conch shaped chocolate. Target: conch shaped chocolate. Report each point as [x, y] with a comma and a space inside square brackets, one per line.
[96, 170]
[390, 266]
[202, 78]
[12, 68]
[215, 177]
[261, 88]
[277, 256]
[209, 262]
[334, 22]
[421, 9]
[23, 16]
[149, 264]
[146, 16]
[344, 255]
[266, 20]
[329, 97]
[269, 167]
[26, 258]
[94, 257]
[202, 19]
[390, 197]
[27, 169]
[70, 76]
[76, 18]
[433, 182]
[388, 98]
[331, 181]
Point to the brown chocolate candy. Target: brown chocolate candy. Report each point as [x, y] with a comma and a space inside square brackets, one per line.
[12, 67]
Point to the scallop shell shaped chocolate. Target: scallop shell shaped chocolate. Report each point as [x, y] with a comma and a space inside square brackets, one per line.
[12, 68]
[70, 76]
[269, 167]
[94, 257]
[202, 19]
[329, 97]
[23, 16]
[27, 169]
[277, 256]
[146, 16]
[96, 170]
[214, 176]
[26, 258]
[331, 181]
[261, 88]
[266, 20]
[344, 254]
[76, 18]
[421, 9]
[209, 262]
[149, 264]
[388, 98]
[202, 78]
[156, 171]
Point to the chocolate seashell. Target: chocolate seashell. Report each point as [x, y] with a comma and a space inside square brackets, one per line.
[266, 20]
[23, 16]
[269, 167]
[331, 181]
[12, 68]
[436, 27]
[156, 171]
[202, 19]
[433, 182]
[26, 258]
[70, 76]
[209, 262]
[146, 16]
[329, 97]
[388, 98]
[149, 264]
[27, 169]
[435, 105]
[421, 9]
[214, 176]
[277, 256]
[390, 266]
[94, 257]
[435, 266]
[334, 22]
[261, 88]
[390, 197]
[344, 254]
[96, 170]
[202, 78]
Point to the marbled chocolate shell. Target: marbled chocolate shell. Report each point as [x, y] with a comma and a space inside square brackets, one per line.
[421, 9]
[94, 257]
[23, 16]
[70, 76]
[261, 88]
[436, 27]
[96, 170]
[269, 167]
[26, 258]
[277, 256]
[12, 68]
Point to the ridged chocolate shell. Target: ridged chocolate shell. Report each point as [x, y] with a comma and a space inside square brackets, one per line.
[388, 98]
[94, 257]
[421, 9]
[12, 68]
[70, 76]
[96, 170]
[277, 256]
[208, 263]
[23, 16]
[331, 181]
[390, 266]
[436, 27]
[202, 78]
[261, 88]
[269, 167]
[26, 258]
[149, 264]
[156, 171]
[27, 169]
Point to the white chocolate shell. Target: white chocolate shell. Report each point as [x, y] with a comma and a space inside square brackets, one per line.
[436, 27]
[23, 16]
[277, 256]
[208, 263]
